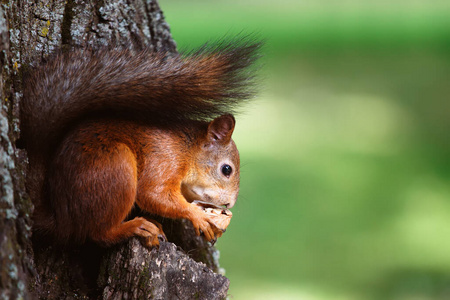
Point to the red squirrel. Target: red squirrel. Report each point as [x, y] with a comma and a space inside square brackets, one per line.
[109, 129]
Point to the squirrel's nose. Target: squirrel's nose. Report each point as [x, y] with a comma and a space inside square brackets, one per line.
[230, 204]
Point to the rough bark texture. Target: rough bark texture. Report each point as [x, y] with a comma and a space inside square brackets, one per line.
[30, 31]
[15, 207]
[176, 277]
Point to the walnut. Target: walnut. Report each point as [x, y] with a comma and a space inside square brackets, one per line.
[220, 216]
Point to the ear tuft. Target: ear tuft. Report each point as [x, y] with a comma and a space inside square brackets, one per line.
[220, 129]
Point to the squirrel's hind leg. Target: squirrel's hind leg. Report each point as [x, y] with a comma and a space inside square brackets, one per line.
[118, 196]
[92, 187]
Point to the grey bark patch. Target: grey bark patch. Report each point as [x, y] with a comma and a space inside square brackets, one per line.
[164, 273]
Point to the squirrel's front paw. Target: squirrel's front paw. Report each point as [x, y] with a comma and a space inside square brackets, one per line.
[203, 224]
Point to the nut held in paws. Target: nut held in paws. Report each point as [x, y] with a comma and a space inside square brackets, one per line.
[219, 215]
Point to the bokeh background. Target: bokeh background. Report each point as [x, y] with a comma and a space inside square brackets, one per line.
[345, 189]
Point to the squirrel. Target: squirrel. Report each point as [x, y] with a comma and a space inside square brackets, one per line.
[109, 129]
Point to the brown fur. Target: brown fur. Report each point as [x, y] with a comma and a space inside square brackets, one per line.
[109, 130]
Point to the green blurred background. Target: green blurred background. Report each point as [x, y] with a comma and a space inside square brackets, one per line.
[345, 190]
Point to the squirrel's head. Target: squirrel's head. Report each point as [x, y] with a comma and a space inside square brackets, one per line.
[214, 173]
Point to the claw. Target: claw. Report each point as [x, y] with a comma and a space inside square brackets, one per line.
[162, 238]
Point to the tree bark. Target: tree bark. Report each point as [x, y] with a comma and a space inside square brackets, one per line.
[30, 31]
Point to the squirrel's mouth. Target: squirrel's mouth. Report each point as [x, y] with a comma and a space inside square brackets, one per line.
[202, 199]
[205, 204]
[189, 194]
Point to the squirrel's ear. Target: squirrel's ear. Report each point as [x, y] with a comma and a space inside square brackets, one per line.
[220, 129]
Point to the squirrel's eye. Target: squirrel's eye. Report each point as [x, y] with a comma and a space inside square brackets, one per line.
[226, 170]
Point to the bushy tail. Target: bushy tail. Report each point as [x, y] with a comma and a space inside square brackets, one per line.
[71, 86]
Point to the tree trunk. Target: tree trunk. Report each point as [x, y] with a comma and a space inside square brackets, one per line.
[30, 31]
